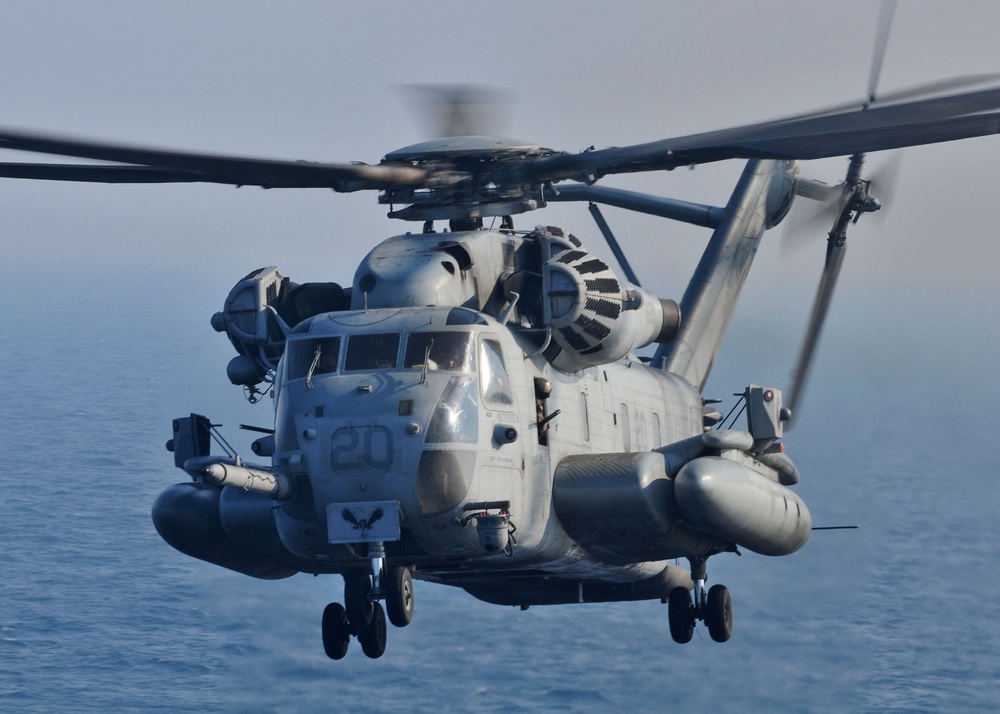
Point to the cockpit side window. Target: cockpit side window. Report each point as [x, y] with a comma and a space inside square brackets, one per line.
[495, 383]
[370, 352]
[442, 350]
[301, 354]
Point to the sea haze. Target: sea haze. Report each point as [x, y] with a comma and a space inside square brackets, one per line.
[98, 614]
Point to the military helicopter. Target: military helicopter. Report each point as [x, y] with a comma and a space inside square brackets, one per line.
[472, 411]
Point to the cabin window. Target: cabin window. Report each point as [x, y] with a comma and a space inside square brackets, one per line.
[441, 350]
[371, 352]
[495, 383]
[301, 354]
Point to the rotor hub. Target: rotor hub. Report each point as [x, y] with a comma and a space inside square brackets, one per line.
[475, 177]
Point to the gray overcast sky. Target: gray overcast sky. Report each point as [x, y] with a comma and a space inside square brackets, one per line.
[320, 81]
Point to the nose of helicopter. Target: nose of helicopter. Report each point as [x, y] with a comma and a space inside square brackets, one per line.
[404, 436]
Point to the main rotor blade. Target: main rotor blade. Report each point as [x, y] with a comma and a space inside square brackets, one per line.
[881, 43]
[96, 174]
[211, 168]
[926, 90]
[835, 251]
[812, 136]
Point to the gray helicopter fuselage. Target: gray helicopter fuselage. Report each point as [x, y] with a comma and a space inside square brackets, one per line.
[381, 421]
[473, 408]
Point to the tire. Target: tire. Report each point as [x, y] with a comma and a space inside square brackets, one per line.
[336, 631]
[681, 615]
[399, 596]
[357, 599]
[373, 637]
[719, 613]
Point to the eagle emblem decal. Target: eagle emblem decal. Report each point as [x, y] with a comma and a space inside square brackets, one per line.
[362, 524]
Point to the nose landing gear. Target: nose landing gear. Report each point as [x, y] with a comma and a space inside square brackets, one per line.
[373, 636]
[336, 631]
[362, 615]
[714, 608]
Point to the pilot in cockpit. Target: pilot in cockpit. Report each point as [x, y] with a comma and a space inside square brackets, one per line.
[440, 350]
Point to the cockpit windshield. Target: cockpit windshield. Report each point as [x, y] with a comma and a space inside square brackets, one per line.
[371, 352]
[321, 356]
[450, 351]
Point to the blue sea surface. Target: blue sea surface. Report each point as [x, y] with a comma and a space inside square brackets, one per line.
[97, 613]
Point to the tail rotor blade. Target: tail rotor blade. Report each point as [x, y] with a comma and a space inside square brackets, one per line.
[856, 196]
[806, 224]
[808, 221]
[836, 248]
[885, 181]
[818, 190]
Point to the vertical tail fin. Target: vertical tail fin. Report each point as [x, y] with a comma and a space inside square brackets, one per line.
[710, 298]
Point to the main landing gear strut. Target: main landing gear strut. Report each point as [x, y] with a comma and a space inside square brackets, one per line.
[362, 615]
[714, 608]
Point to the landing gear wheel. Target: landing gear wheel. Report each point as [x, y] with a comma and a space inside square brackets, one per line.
[719, 613]
[357, 598]
[399, 596]
[680, 613]
[336, 631]
[372, 637]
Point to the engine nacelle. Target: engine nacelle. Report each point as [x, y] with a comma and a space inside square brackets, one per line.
[594, 318]
[260, 311]
[251, 323]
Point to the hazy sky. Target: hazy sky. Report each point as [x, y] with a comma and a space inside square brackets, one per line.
[320, 81]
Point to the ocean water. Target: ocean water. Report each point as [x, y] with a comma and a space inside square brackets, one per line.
[98, 614]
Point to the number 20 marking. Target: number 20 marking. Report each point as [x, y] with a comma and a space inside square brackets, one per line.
[361, 448]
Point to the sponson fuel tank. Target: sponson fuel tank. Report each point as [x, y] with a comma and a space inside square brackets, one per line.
[620, 508]
[213, 524]
[724, 497]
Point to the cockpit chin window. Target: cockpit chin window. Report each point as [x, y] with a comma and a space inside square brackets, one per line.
[456, 416]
